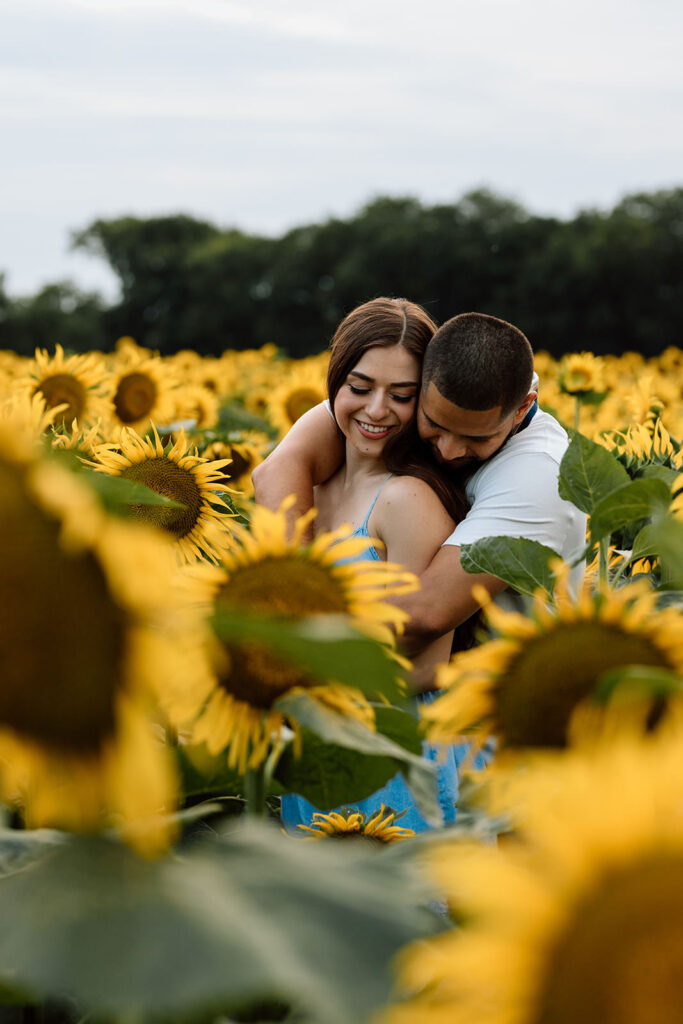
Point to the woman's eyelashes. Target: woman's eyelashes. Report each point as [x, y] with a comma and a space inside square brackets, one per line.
[366, 391]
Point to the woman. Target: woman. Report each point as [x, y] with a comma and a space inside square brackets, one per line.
[387, 490]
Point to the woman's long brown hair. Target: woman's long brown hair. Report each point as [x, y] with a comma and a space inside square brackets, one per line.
[383, 323]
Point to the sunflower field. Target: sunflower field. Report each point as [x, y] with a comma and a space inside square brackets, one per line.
[176, 659]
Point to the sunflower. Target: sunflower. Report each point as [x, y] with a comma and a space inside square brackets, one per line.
[81, 385]
[524, 685]
[643, 444]
[84, 598]
[581, 372]
[198, 403]
[24, 422]
[199, 518]
[267, 572]
[578, 919]
[83, 440]
[145, 390]
[245, 453]
[353, 825]
[303, 387]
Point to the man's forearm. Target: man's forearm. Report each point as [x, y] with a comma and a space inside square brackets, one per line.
[444, 600]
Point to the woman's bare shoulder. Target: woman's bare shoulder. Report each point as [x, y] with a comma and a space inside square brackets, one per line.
[404, 488]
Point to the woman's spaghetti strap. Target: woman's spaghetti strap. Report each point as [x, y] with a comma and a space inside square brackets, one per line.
[364, 527]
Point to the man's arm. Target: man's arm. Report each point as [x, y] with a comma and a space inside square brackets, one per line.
[445, 598]
[309, 454]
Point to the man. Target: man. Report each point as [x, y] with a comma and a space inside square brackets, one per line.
[477, 411]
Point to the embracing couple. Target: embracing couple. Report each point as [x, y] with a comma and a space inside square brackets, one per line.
[430, 439]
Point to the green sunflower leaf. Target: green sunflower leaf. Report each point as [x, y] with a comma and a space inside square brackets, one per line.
[521, 563]
[325, 646]
[419, 773]
[330, 776]
[247, 917]
[588, 473]
[635, 500]
[19, 847]
[117, 493]
[663, 473]
[663, 538]
[630, 681]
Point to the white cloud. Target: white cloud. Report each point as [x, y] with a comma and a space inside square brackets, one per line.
[269, 112]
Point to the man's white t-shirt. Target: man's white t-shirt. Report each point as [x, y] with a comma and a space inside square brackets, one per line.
[515, 494]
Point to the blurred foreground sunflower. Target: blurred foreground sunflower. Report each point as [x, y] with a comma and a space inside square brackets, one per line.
[84, 598]
[355, 825]
[266, 572]
[80, 384]
[525, 685]
[198, 521]
[577, 919]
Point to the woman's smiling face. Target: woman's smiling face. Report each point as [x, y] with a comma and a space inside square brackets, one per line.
[377, 398]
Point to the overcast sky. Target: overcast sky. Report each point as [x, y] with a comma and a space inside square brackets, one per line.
[269, 113]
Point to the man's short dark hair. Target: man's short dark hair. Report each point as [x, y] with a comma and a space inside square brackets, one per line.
[479, 362]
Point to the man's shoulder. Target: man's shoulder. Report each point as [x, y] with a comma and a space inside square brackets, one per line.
[543, 437]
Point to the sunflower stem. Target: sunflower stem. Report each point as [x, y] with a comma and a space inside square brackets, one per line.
[255, 791]
[604, 559]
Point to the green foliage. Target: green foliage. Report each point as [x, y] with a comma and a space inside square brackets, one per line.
[606, 281]
[588, 473]
[343, 762]
[58, 313]
[521, 563]
[631, 503]
[325, 647]
[232, 921]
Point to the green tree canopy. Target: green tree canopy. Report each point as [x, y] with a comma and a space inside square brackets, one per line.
[604, 281]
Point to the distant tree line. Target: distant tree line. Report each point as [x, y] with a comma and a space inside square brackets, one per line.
[604, 281]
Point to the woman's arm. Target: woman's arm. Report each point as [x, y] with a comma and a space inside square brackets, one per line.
[309, 454]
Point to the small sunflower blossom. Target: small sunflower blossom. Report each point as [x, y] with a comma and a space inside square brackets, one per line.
[80, 385]
[379, 826]
[303, 388]
[266, 571]
[145, 390]
[198, 523]
[578, 916]
[524, 685]
[581, 373]
[245, 451]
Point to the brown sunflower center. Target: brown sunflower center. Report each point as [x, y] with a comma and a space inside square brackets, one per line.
[300, 401]
[552, 673]
[168, 478]
[61, 634]
[64, 389]
[620, 960]
[135, 397]
[290, 587]
[241, 463]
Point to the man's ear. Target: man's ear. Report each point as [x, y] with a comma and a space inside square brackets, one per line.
[524, 407]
